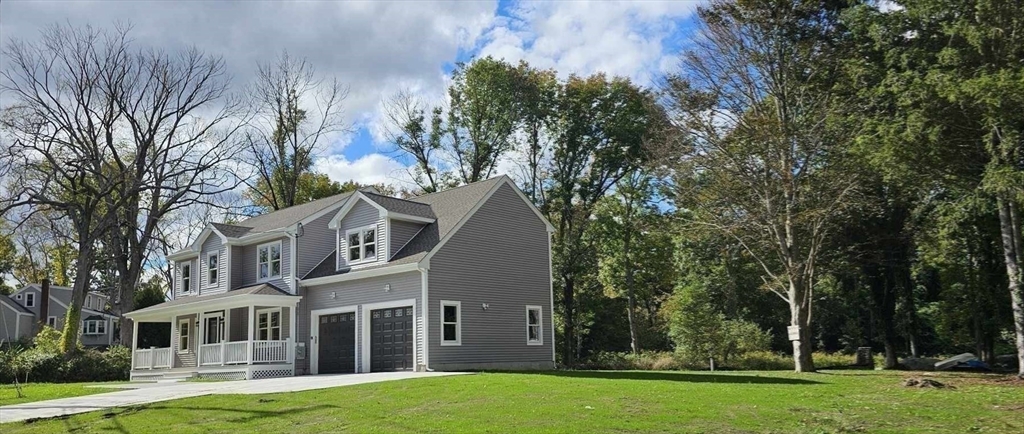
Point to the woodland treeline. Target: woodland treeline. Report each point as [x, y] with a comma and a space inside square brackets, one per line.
[814, 176]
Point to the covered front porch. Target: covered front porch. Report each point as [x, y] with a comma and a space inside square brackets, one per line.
[242, 334]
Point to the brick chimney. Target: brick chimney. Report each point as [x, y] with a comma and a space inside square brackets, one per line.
[44, 303]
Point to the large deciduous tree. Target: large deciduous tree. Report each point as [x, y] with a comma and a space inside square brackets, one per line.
[768, 156]
[296, 114]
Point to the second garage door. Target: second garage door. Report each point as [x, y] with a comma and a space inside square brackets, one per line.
[391, 339]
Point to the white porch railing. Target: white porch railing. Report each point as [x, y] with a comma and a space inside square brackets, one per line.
[270, 351]
[152, 358]
[230, 353]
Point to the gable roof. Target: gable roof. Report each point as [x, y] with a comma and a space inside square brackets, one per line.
[449, 208]
[258, 289]
[6, 301]
[231, 231]
[291, 215]
[402, 206]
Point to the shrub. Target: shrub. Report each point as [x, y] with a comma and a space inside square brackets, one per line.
[666, 361]
[700, 331]
[39, 364]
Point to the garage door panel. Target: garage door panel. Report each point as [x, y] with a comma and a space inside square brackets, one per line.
[336, 353]
[391, 339]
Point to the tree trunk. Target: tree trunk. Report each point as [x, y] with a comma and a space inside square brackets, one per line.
[800, 317]
[634, 343]
[1010, 234]
[568, 304]
[72, 320]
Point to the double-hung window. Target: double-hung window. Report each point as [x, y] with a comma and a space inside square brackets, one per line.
[534, 334]
[211, 268]
[184, 327]
[268, 260]
[268, 325]
[362, 244]
[51, 321]
[30, 299]
[186, 277]
[451, 322]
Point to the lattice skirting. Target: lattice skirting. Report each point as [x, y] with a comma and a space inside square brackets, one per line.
[223, 375]
[259, 373]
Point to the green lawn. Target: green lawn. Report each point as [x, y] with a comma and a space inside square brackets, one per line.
[43, 391]
[835, 401]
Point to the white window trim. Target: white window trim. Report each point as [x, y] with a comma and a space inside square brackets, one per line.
[540, 325]
[51, 321]
[458, 323]
[362, 245]
[186, 282]
[280, 323]
[188, 326]
[96, 324]
[30, 299]
[206, 324]
[280, 259]
[209, 271]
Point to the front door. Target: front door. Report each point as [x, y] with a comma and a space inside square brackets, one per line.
[214, 329]
[391, 339]
[337, 343]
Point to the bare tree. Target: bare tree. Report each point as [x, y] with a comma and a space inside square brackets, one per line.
[406, 127]
[62, 130]
[296, 113]
[182, 126]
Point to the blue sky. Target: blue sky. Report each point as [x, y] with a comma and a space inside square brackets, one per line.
[379, 48]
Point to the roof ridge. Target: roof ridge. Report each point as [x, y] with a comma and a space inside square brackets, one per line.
[398, 198]
[461, 186]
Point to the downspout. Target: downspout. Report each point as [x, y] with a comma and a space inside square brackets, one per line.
[424, 271]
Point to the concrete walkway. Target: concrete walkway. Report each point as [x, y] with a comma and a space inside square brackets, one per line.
[144, 393]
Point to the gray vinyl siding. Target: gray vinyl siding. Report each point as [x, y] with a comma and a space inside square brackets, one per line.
[179, 282]
[237, 278]
[499, 257]
[317, 241]
[213, 244]
[57, 310]
[362, 214]
[185, 359]
[401, 233]
[247, 263]
[15, 326]
[357, 293]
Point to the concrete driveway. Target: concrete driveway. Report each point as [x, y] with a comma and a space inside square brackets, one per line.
[144, 393]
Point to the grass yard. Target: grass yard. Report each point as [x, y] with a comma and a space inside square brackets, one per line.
[587, 401]
[43, 391]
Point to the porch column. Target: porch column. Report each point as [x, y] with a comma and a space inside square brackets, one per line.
[199, 341]
[252, 333]
[135, 340]
[292, 333]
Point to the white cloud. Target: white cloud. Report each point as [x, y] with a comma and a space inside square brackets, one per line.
[583, 37]
[368, 169]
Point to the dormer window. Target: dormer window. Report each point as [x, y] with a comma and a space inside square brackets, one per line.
[211, 269]
[268, 261]
[186, 277]
[362, 244]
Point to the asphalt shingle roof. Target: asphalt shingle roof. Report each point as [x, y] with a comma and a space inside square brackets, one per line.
[448, 207]
[7, 300]
[289, 216]
[402, 206]
[260, 289]
[231, 231]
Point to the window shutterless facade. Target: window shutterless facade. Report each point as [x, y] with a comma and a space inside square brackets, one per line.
[268, 261]
[534, 326]
[186, 277]
[451, 322]
[94, 327]
[184, 329]
[362, 244]
[30, 299]
[268, 325]
[212, 260]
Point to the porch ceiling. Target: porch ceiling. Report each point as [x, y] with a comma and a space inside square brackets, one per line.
[258, 295]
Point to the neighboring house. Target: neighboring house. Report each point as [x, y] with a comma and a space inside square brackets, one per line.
[98, 323]
[361, 282]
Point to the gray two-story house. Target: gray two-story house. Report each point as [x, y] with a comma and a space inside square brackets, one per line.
[21, 312]
[362, 282]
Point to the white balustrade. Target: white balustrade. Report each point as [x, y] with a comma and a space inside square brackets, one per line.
[210, 354]
[270, 351]
[150, 358]
[234, 352]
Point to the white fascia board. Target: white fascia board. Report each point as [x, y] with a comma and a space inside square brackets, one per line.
[260, 237]
[16, 310]
[351, 203]
[407, 217]
[356, 275]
